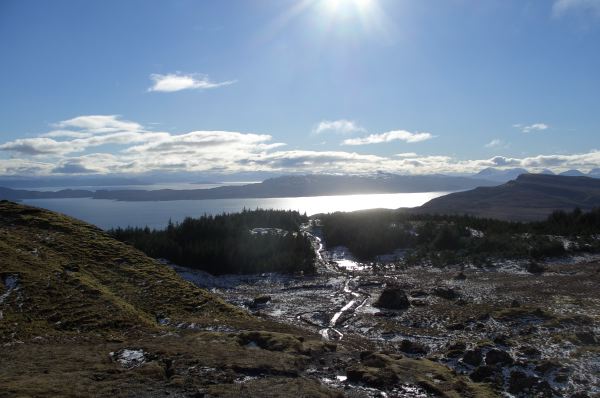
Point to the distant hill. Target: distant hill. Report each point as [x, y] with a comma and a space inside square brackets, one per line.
[529, 197]
[286, 186]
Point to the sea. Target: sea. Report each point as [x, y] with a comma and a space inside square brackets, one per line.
[108, 214]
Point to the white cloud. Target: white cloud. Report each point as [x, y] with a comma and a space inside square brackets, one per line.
[532, 127]
[99, 124]
[562, 7]
[397, 135]
[406, 155]
[342, 126]
[176, 82]
[493, 143]
[36, 146]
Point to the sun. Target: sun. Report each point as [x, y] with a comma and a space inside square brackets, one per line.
[347, 5]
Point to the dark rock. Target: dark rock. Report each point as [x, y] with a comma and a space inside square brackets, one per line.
[520, 383]
[482, 374]
[580, 395]
[515, 304]
[535, 268]
[473, 357]
[495, 356]
[418, 293]
[411, 347]
[587, 338]
[446, 292]
[459, 345]
[261, 300]
[454, 353]
[393, 298]
[547, 366]
[545, 390]
[502, 340]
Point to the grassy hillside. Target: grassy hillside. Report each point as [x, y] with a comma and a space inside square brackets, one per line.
[82, 314]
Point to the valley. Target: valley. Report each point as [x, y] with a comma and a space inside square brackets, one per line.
[524, 333]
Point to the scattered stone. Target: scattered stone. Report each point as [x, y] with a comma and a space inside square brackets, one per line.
[496, 356]
[393, 298]
[446, 292]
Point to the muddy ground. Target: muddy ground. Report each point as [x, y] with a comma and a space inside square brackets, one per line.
[526, 333]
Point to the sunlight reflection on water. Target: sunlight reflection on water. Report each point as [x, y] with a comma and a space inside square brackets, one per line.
[109, 213]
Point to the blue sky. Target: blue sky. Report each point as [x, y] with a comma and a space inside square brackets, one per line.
[282, 86]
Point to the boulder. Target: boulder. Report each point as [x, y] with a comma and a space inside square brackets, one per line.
[393, 298]
[482, 374]
[473, 357]
[520, 383]
[261, 300]
[412, 347]
[535, 268]
[496, 356]
[587, 338]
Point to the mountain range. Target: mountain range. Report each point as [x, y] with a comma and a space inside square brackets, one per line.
[286, 186]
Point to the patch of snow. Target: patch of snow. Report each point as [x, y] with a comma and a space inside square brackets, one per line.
[11, 282]
[130, 358]
[268, 231]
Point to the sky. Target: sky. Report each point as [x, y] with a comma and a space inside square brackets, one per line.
[307, 86]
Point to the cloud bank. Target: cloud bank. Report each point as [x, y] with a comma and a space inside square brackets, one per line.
[108, 144]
